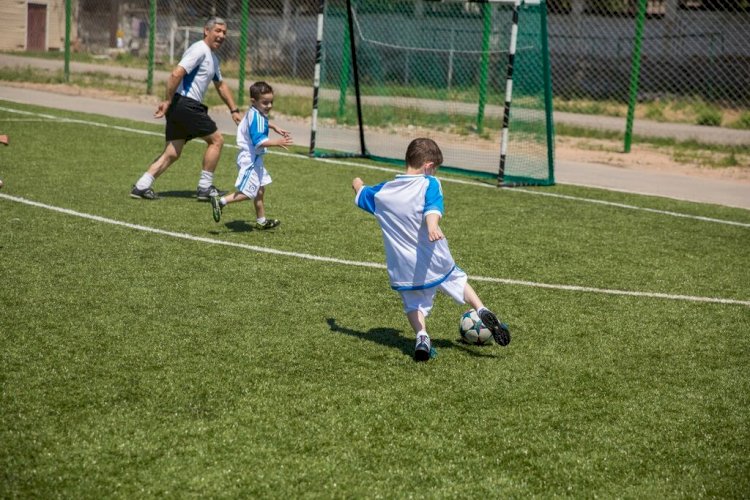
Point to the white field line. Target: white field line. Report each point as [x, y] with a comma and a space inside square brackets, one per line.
[332, 260]
[82, 122]
[385, 169]
[186, 236]
[25, 120]
[540, 193]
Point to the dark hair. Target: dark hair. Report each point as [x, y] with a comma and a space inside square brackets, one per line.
[421, 151]
[257, 89]
[213, 21]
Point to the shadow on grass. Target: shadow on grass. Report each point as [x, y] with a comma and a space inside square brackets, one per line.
[235, 226]
[177, 194]
[390, 337]
[239, 226]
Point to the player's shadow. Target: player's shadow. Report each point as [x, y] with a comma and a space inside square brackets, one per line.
[235, 226]
[239, 226]
[176, 194]
[390, 337]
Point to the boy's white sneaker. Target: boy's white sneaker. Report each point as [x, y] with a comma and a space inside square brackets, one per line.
[423, 348]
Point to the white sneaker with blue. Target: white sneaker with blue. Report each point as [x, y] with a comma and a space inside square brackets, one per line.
[423, 348]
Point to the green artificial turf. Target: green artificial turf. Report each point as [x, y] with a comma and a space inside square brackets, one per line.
[140, 359]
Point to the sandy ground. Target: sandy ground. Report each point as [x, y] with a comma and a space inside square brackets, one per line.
[646, 157]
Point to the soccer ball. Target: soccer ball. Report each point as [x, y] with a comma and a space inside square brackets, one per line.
[472, 329]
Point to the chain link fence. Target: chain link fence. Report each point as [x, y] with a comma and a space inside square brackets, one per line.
[692, 51]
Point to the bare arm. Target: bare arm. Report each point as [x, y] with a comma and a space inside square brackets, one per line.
[278, 129]
[282, 142]
[226, 95]
[175, 77]
[433, 229]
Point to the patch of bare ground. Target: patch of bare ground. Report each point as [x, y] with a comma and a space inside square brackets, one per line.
[610, 152]
[94, 93]
[651, 158]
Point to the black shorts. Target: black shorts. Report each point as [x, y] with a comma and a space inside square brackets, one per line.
[188, 119]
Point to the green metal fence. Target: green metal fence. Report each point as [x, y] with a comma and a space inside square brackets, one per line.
[692, 52]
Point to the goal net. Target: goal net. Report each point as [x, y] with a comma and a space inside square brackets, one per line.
[457, 72]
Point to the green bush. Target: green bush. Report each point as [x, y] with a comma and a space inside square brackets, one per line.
[743, 122]
[709, 116]
[655, 111]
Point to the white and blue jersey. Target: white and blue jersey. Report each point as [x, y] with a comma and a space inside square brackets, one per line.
[400, 207]
[202, 67]
[252, 132]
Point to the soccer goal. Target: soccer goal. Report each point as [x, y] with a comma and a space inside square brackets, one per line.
[474, 76]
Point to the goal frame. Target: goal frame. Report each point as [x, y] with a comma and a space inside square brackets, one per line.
[504, 136]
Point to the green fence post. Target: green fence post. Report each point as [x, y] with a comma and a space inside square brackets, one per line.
[151, 46]
[68, 10]
[548, 107]
[245, 14]
[484, 68]
[635, 72]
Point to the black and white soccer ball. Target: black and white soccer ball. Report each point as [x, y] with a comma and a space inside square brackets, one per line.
[472, 330]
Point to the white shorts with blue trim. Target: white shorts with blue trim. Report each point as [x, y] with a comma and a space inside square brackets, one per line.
[422, 300]
[251, 176]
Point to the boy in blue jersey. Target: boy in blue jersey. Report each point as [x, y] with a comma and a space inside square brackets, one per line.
[419, 262]
[252, 139]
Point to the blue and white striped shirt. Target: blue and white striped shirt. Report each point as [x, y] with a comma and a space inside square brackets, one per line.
[252, 132]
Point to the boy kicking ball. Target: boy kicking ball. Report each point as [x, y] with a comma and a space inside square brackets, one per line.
[252, 139]
[419, 262]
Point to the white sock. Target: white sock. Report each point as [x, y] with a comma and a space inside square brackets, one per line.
[423, 332]
[223, 201]
[260, 220]
[481, 309]
[145, 182]
[206, 179]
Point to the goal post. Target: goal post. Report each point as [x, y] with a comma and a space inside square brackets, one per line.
[388, 72]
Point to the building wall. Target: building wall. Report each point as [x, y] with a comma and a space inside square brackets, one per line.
[14, 16]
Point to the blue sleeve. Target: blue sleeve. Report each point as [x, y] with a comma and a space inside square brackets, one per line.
[365, 199]
[258, 129]
[433, 197]
[217, 73]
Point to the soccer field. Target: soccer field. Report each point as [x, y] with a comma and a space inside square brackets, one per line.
[147, 351]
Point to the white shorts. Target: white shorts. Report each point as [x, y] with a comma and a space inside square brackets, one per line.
[251, 176]
[421, 300]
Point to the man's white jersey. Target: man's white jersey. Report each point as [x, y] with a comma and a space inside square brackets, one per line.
[400, 206]
[202, 67]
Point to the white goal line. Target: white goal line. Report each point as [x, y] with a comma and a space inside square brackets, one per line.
[59, 119]
[376, 265]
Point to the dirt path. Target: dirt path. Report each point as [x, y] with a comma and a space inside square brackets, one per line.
[641, 157]
[578, 161]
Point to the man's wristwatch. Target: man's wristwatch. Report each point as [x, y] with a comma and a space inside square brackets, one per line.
[235, 110]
